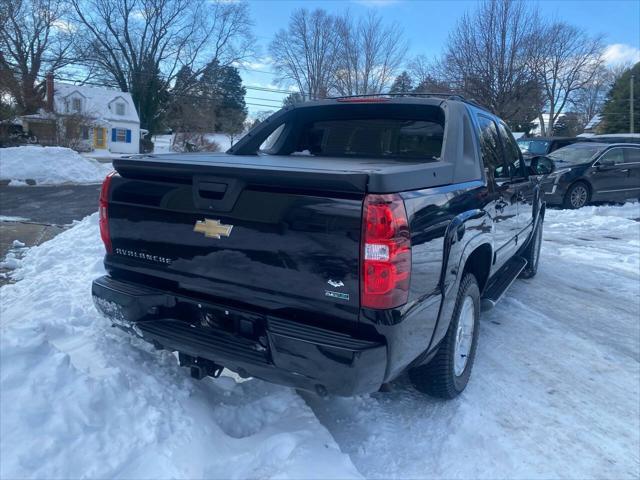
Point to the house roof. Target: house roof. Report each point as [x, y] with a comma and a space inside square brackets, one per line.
[594, 122]
[99, 102]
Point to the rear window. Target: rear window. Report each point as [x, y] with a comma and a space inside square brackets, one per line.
[372, 138]
[534, 147]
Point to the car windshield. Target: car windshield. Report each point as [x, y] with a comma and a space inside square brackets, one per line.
[576, 153]
[534, 147]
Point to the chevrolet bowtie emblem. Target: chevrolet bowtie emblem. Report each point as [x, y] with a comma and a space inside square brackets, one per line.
[212, 228]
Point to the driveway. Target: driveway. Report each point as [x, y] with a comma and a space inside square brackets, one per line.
[33, 215]
[59, 205]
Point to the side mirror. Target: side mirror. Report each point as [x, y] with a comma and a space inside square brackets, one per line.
[541, 165]
[606, 163]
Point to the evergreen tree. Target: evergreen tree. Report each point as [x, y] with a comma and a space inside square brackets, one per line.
[221, 87]
[616, 107]
[186, 112]
[568, 125]
[402, 83]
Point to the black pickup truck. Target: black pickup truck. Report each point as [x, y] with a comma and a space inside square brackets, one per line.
[337, 245]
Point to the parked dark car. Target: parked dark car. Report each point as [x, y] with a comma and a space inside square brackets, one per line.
[590, 172]
[532, 147]
[337, 245]
[615, 138]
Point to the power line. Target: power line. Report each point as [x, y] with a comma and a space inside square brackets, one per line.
[88, 82]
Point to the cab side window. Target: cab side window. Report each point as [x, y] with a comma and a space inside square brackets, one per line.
[511, 153]
[492, 156]
[615, 154]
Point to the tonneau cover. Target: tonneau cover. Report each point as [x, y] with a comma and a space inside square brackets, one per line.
[355, 175]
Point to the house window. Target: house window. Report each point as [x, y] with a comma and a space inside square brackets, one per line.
[121, 135]
[119, 108]
[85, 133]
[76, 105]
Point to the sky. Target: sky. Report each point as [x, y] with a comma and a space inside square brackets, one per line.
[427, 24]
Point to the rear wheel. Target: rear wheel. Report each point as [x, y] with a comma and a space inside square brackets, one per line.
[577, 196]
[447, 374]
[532, 253]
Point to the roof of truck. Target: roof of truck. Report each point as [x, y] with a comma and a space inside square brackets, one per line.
[434, 99]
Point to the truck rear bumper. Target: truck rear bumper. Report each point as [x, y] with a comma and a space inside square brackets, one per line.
[274, 349]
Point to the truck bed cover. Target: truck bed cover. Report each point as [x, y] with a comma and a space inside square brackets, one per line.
[332, 174]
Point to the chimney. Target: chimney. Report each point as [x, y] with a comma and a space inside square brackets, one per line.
[49, 83]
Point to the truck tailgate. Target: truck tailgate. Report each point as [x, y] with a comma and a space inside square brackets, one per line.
[259, 241]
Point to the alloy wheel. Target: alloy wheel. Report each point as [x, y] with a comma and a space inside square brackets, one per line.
[579, 196]
[464, 336]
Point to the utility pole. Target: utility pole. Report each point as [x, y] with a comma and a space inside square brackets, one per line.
[631, 104]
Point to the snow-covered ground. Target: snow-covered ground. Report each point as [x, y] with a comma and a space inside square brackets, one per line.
[555, 391]
[49, 166]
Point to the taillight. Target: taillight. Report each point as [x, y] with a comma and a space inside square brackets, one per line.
[103, 209]
[386, 252]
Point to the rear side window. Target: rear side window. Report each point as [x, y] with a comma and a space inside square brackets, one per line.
[632, 155]
[373, 138]
[491, 149]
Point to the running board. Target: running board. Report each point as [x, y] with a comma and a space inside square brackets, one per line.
[502, 281]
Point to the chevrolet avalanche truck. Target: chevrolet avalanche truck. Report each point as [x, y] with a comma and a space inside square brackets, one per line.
[337, 245]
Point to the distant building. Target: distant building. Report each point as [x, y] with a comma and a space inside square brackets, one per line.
[106, 119]
[536, 131]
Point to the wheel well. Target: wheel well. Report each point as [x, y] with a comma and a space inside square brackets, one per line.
[479, 263]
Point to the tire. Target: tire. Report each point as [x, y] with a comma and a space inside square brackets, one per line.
[532, 252]
[578, 195]
[447, 374]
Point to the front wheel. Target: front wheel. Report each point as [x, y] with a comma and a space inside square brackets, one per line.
[447, 374]
[577, 196]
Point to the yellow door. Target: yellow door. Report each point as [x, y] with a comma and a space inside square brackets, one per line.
[99, 137]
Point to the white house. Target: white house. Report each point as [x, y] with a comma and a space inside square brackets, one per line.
[115, 125]
[101, 119]
[536, 131]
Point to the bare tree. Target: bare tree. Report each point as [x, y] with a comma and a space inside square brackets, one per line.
[34, 38]
[565, 60]
[369, 54]
[424, 70]
[488, 57]
[141, 45]
[306, 52]
[429, 76]
[588, 100]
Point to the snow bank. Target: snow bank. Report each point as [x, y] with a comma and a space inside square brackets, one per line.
[49, 166]
[82, 399]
